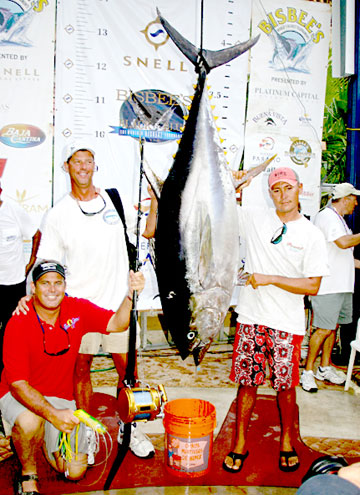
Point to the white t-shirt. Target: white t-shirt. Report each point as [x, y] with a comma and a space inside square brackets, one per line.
[93, 248]
[300, 253]
[15, 226]
[341, 261]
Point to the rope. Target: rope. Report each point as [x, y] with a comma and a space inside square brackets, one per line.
[201, 27]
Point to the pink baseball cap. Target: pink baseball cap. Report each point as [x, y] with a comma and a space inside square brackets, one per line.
[283, 174]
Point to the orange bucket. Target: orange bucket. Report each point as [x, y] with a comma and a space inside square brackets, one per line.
[189, 427]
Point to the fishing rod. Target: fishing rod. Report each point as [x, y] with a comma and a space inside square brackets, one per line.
[130, 369]
[129, 379]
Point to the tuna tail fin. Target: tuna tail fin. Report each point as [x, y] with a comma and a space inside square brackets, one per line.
[210, 58]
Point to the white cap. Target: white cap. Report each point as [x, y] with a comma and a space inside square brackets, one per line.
[75, 146]
[343, 190]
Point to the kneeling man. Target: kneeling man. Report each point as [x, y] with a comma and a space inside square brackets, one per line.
[40, 350]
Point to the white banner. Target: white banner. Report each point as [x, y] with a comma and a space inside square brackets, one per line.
[27, 30]
[107, 49]
[287, 94]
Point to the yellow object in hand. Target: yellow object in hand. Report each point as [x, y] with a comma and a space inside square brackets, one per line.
[88, 420]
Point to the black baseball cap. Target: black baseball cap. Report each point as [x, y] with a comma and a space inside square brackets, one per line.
[47, 266]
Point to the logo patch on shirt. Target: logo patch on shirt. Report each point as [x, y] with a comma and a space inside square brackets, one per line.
[71, 323]
[294, 248]
[111, 217]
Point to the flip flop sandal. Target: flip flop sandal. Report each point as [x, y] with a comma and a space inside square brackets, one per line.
[287, 455]
[19, 482]
[234, 456]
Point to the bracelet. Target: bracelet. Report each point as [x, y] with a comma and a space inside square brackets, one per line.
[130, 299]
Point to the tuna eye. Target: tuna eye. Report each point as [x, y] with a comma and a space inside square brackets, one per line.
[191, 335]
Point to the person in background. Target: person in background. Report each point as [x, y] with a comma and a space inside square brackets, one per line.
[333, 305]
[285, 257]
[40, 350]
[15, 227]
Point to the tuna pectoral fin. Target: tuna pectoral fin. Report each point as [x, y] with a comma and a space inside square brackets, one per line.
[199, 352]
[212, 58]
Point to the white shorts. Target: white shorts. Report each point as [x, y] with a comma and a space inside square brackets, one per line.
[112, 342]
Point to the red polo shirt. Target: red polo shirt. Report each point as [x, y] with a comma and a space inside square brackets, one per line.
[24, 347]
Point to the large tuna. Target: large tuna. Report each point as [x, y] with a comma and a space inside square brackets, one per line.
[196, 241]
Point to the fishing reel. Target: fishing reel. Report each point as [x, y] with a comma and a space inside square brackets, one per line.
[141, 403]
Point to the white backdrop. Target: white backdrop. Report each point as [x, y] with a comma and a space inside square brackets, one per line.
[104, 49]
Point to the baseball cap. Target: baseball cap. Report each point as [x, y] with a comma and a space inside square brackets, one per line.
[47, 266]
[75, 146]
[283, 174]
[344, 189]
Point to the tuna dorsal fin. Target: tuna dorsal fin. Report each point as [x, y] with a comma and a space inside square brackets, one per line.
[212, 58]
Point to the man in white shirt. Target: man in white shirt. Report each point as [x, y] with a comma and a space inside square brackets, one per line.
[332, 306]
[285, 256]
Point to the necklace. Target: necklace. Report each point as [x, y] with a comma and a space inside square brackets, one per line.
[92, 213]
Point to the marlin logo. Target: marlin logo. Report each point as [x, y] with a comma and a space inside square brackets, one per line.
[152, 114]
[290, 53]
[13, 27]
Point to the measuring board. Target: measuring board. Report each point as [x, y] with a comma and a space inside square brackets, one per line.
[105, 49]
[229, 88]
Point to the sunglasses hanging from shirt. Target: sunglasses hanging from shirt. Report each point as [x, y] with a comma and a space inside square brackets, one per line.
[279, 233]
[59, 353]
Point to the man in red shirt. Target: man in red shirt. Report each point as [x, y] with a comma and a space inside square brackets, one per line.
[40, 350]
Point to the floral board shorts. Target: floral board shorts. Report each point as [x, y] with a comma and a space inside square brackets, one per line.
[256, 345]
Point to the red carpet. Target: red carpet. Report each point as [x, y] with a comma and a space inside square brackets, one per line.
[260, 468]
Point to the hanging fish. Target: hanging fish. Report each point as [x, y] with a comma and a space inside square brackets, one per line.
[196, 240]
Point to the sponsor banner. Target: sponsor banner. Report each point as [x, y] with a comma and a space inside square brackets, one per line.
[287, 94]
[119, 79]
[26, 109]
